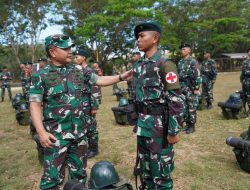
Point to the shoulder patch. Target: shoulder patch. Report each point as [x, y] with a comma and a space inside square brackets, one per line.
[171, 77]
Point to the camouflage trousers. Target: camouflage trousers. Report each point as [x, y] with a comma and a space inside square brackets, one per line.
[191, 104]
[92, 134]
[3, 91]
[71, 152]
[207, 89]
[156, 162]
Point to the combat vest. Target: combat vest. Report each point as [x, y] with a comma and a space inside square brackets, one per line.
[150, 82]
[63, 100]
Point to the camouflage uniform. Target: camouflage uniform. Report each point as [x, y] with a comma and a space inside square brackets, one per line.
[130, 84]
[5, 77]
[115, 86]
[159, 106]
[209, 73]
[90, 104]
[96, 90]
[61, 90]
[190, 79]
[245, 80]
[26, 80]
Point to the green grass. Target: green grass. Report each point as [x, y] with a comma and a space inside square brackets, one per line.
[203, 160]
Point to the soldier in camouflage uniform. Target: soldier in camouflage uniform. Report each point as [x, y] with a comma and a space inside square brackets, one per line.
[159, 105]
[60, 87]
[135, 57]
[26, 79]
[96, 90]
[90, 106]
[245, 79]
[209, 73]
[5, 78]
[115, 72]
[190, 80]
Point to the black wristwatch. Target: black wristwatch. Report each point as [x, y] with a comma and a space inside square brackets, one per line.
[120, 78]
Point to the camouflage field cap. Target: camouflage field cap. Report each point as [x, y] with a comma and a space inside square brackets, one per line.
[59, 40]
[146, 26]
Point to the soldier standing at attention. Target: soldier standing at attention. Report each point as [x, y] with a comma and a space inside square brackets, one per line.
[5, 77]
[190, 80]
[59, 87]
[245, 79]
[26, 79]
[209, 73]
[157, 96]
[90, 106]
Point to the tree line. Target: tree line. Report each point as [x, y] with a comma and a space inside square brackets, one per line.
[105, 27]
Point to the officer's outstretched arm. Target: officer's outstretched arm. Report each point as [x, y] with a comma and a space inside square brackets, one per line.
[47, 139]
[109, 80]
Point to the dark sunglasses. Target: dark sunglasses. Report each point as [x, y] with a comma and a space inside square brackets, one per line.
[57, 38]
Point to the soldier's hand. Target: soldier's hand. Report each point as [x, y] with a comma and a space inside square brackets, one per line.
[173, 139]
[128, 75]
[47, 140]
[213, 81]
[93, 112]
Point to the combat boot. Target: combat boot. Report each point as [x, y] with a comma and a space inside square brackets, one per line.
[209, 106]
[190, 129]
[93, 150]
[92, 153]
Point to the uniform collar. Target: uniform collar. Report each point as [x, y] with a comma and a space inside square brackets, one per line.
[154, 58]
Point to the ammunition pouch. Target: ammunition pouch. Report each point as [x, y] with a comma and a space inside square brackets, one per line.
[132, 114]
[151, 110]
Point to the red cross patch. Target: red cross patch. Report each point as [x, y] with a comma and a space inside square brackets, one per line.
[171, 77]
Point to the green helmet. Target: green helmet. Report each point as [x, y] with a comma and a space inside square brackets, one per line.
[123, 102]
[102, 174]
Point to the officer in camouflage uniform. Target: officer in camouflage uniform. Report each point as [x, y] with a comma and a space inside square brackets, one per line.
[60, 87]
[209, 73]
[190, 80]
[245, 79]
[5, 78]
[90, 106]
[96, 90]
[159, 105]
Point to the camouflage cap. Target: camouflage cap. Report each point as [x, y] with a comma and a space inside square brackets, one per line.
[59, 40]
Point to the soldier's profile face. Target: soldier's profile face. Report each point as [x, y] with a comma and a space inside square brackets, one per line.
[78, 59]
[136, 57]
[185, 51]
[146, 40]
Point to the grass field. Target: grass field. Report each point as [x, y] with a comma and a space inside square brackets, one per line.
[203, 160]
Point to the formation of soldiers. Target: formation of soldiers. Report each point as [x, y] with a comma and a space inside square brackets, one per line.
[64, 99]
